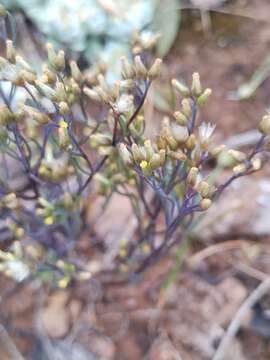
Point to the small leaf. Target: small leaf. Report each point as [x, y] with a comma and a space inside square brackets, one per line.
[166, 22]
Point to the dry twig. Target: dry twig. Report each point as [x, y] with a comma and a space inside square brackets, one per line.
[234, 326]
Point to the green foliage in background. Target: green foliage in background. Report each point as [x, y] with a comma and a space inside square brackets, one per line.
[102, 28]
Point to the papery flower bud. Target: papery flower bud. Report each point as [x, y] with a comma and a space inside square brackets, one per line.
[180, 133]
[180, 118]
[24, 64]
[102, 83]
[115, 91]
[205, 204]
[60, 92]
[186, 108]
[154, 71]
[196, 155]
[196, 87]
[202, 100]
[256, 164]
[74, 87]
[45, 89]
[216, 151]
[128, 71]
[6, 115]
[161, 142]
[38, 116]
[125, 154]
[10, 201]
[173, 144]
[57, 60]
[28, 76]
[181, 88]
[192, 176]
[63, 108]
[75, 72]
[60, 62]
[50, 75]
[238, 156]
[10, 51]
[126, 84]
[178, 155]
[148, 149]
[141, 70]
[264, 125]
[204, 189]
[92, 94]
[155, 161]
[104, 96]
[191, 142]
[63, 138]
[138, 152]
[162, 154]
[239, 169]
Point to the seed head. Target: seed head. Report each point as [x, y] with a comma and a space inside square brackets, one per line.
[264, 125]
[125, 154]
[196, 87]
[205, 204]
[186, 108]
[154, 71]
[238, 156]
[128, 71]
[202, 100]
[192, 176]
[140, 68]
[180, 118]
[181, 88]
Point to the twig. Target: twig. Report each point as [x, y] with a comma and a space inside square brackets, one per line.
[234, 326]
[215, 249]
[250, 271]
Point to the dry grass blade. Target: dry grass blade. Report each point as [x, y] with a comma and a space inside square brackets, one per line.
[234, 326]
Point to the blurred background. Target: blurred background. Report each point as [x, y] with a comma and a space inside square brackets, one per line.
[184, 303]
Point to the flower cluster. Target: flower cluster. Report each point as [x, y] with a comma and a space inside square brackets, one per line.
[67, 133]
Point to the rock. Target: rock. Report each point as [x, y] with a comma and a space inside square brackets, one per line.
[102, 346]
[233, 293]
[242, 209]
[163, 349]
[55, 316]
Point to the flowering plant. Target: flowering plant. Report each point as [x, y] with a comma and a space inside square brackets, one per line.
[55, 151]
